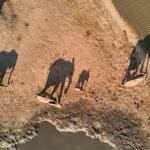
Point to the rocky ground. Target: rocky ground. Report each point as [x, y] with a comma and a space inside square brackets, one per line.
[44, 31]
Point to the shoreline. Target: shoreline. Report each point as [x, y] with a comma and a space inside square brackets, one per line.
[34, 129]
[101, 139]
[116, 16]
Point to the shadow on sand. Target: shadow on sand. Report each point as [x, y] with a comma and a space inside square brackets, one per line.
[7, 61]
[59, 72]
[1, 5]
[83, 80]
[139, 60]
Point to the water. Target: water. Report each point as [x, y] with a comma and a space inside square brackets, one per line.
[137, 12]
[51, 139]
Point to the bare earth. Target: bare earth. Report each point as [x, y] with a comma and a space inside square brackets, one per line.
[43, 31]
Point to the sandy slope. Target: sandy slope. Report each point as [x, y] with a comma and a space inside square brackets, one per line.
[45, 30]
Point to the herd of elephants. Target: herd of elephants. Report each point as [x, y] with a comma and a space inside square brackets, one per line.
[62, 70]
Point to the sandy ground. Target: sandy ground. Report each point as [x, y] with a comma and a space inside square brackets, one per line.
[44, 31]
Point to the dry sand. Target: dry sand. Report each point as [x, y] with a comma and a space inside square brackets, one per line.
[43, 31]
